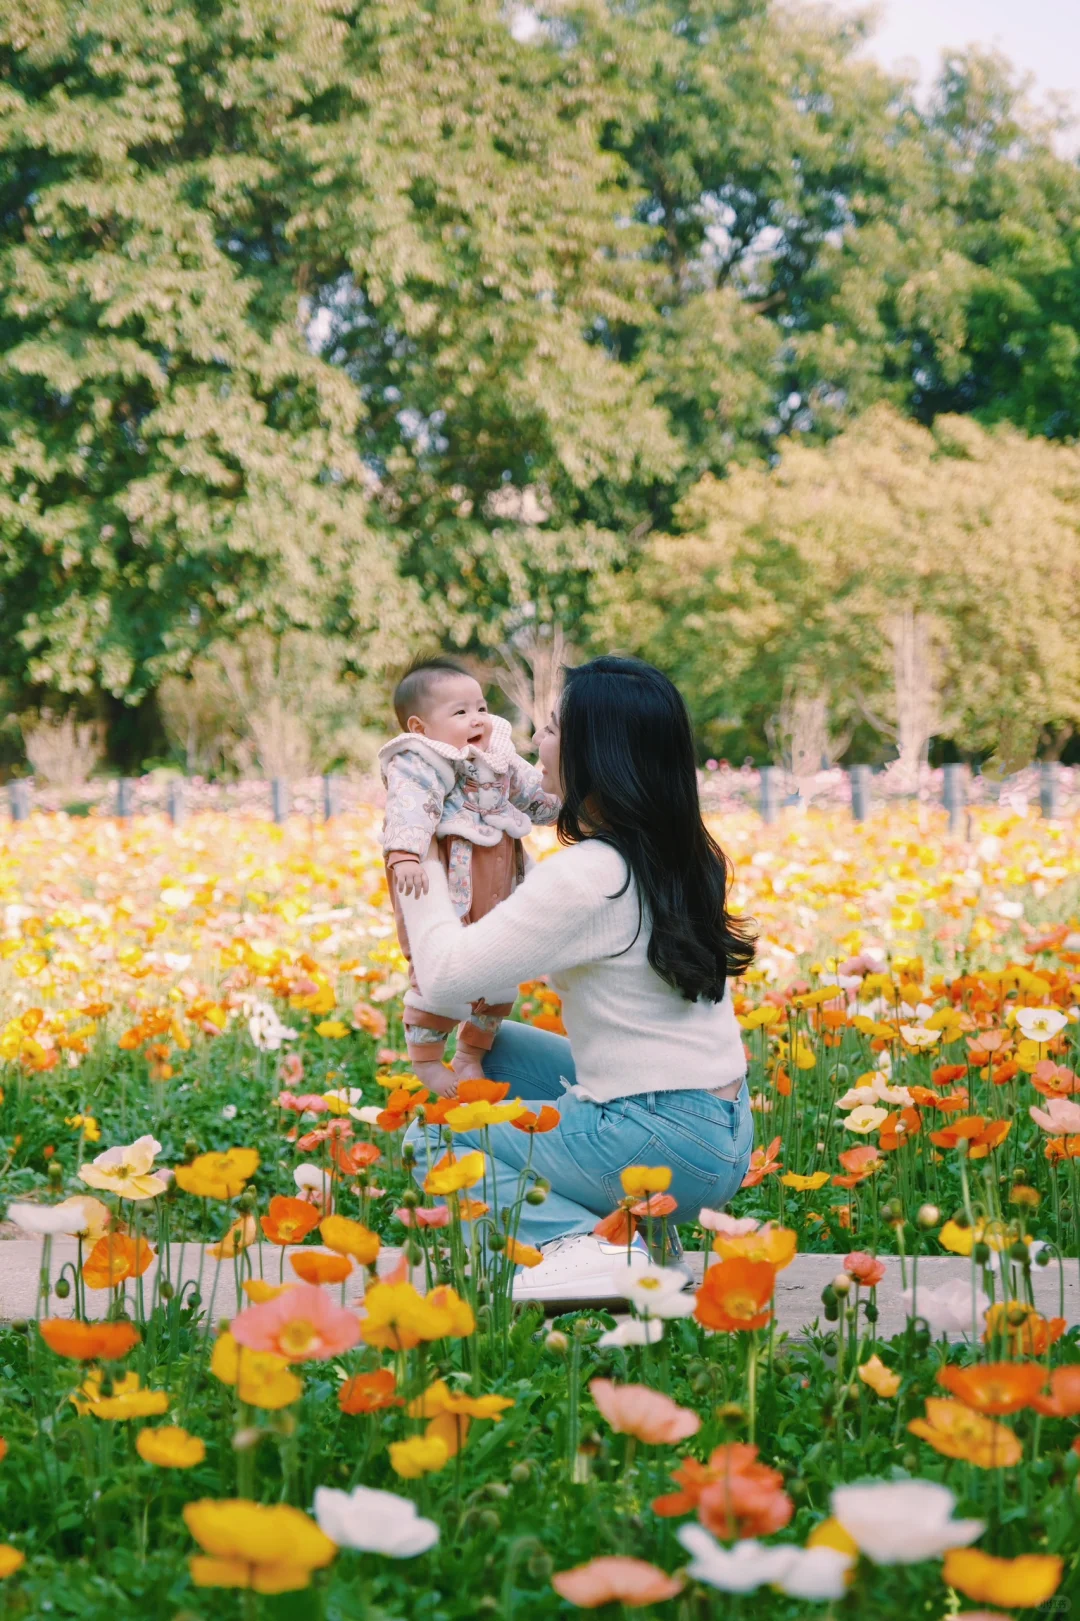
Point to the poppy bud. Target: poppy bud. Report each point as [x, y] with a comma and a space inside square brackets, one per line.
[408, 1154]
[410, 1198]
[497, 1242]
[165, 1289]
[928, 1216]
[520, 1473]
[731, 1412]
[841, 1284]
[56, 1175]
[535, 1196]
[540, 1566]
[1019, 1252]
[243, 1440]
[413, 1254]
[961, 1220]
[980, 1254]
[557, 1341]
[61, 1288]
[1043, 1258]
[191, 1148]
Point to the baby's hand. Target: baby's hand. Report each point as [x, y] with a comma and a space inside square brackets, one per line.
[411, 878]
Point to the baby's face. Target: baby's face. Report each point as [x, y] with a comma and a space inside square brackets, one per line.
[456, 713]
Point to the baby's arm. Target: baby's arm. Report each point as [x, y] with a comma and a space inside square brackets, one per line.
[414, 806]
[524, 790]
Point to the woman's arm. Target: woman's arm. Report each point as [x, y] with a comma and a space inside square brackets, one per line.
[549, 923]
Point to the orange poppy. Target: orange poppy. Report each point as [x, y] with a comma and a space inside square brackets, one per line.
[980, 1134]
[618, 1228]
[89, 1342]
[352, 1158]
[315, 1266]
[1026, 1331]
[1063, 1398]
[1001, 1074]
[482, 1090]
[436, 1111]
[545, 1119]
[947, 1074]
[115, 1258]
[1062, 1148]
[995, 1387]
[956, 1431]
[763, 1162]
[288, 1221]
[898, 1128]
[733, 1494]
[369, 1392]
[859, 1163]
[735, 1295]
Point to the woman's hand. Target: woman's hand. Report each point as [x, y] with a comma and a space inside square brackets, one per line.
[411, 878]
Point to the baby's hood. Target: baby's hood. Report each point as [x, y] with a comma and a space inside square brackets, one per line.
[445, 757]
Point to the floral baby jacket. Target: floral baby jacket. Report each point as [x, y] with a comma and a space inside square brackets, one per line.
[469, 796]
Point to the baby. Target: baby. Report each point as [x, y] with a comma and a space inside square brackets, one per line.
[453, 772]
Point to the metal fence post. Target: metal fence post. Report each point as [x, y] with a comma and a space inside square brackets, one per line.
[19, 795]
[768, 794]
[279, 800]
[1050, 789]
[952, 795]
[174, 802]
[123, 798]
[860, 792]
[331, 796]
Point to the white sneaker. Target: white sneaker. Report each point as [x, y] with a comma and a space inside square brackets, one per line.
[580, 1267]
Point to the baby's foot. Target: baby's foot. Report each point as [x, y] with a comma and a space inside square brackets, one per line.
[466, 1063]
[435, 1075]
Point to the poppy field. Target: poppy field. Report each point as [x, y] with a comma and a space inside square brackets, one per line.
[202, 1053]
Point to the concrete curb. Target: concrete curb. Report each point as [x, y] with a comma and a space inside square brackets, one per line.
[798, 1293]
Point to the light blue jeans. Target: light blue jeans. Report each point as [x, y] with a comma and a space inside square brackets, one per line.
[705, 1140]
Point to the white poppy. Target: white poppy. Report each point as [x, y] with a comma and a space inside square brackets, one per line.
[1041, 1024]
[46, 1219]
[865, 1119]
[741, 1569]
[902, 1522]
[373, 1522]
[951, 1308]
[919, 1037]
[633, 1331]
[658, 1291]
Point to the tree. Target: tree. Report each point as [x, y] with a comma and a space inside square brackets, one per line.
[175, 462]
[809, 572]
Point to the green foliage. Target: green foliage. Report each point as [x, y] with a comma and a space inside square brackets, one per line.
[391, 323]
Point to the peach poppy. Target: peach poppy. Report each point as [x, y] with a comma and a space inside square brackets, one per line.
[301, 1325]
[288, 1221]
[986, 1044]
[335, 1131]
[980, 1134]
[864, 1268]
[316, 1266]
[655, 1206]
[618, 1228]
[89, 1342]
[544, 1119]
[734, 1495]
[304, 1102]
[777, 1245]
[647, 1414]
[369, 1392]
[956, 1431]
[115, 1258]
[1062, 1400]
[763, 1162]
[735, 1295]
[1061, 1117]
[1054, 1080]
[615, 1579]
[995, 1388]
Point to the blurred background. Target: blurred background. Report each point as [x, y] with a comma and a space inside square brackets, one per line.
[741, 336]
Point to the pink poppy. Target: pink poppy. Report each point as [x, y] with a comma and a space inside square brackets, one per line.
[716, 1221]
[322, 1134]
[301, 1102]
[615, 1579]
[1060, 1118]
[302, 1324]
[291, 1070]
[647, 1414]
[437, 1216]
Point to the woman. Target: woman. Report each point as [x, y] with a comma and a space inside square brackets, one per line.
[630, 922]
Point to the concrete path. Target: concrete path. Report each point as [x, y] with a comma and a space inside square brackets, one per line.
[798, 1294]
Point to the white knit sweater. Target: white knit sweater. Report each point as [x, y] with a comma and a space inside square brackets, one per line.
[629, 1031]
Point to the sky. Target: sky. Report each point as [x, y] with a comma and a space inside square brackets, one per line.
[1041, 37]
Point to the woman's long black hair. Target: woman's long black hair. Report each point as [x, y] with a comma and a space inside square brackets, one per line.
[629, 778]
